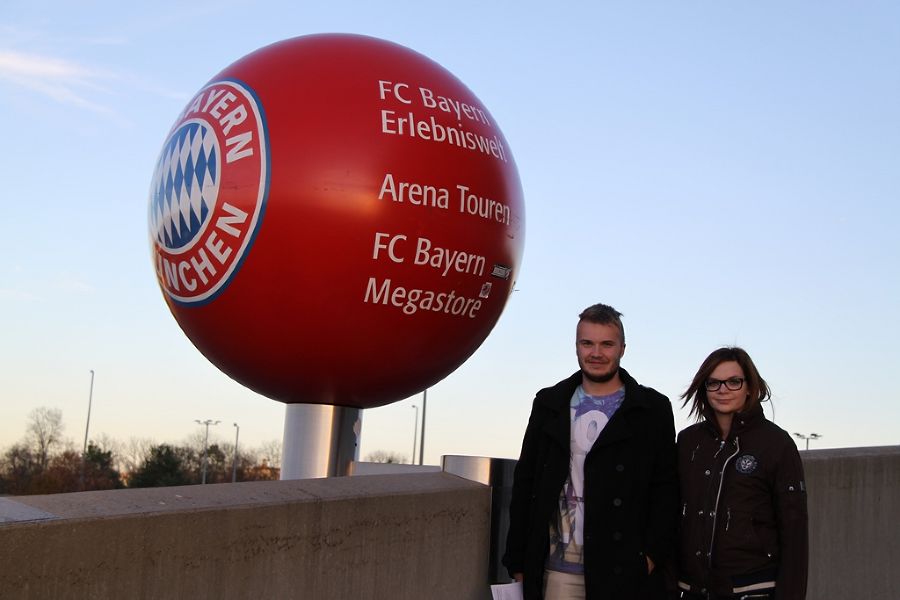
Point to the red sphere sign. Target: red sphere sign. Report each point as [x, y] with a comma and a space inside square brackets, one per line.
[336, 219]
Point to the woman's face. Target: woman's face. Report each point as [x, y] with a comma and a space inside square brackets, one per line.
[725, 401]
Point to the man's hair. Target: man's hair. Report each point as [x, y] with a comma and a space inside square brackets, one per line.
[604, 315]
[757, 388]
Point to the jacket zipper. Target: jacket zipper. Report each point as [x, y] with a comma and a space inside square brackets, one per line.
[721, 445]
[712, 539]
[694, 453]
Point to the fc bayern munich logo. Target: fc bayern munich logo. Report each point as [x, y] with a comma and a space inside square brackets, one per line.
[201, 230]
[746, 464]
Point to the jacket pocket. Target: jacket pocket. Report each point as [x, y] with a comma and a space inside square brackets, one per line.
[766, 536]
[739, 545]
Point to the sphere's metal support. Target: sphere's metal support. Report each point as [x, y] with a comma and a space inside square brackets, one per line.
[497, 473]
[319, 440]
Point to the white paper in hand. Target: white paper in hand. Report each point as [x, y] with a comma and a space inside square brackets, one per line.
[507, 591]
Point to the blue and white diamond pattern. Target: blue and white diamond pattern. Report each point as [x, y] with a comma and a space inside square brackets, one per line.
[185, 186]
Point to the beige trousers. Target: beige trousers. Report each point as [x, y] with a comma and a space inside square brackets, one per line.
[563, 586]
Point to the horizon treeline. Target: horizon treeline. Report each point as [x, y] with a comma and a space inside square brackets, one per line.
[45, 462]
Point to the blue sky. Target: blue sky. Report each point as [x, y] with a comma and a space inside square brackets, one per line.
[722, 173]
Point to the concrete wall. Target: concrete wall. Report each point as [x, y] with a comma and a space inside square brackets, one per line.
[370, 468]
[380, 537]
[375, 537]
[854, 523]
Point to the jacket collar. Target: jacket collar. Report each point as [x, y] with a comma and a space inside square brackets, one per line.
[557, 397]
[742, 421]
[557, 400]
[747, 419]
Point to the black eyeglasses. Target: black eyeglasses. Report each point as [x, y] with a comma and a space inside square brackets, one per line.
[732, 383]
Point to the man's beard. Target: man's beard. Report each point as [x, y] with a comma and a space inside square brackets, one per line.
[601, 378]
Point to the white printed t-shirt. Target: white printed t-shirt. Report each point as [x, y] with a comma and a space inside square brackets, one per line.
[589, 415]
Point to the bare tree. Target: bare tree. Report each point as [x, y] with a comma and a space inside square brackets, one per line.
[383, 456]
[270, 453]
[195, 439]
[18, 467]
[133, 455]
[44, 432]
[106, 442]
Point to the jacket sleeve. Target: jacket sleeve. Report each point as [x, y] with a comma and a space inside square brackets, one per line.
[663, 513]
[522, 496]
[791, 518]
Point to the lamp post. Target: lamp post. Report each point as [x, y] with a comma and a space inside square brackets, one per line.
[422, 441]
[207, 422]
[237, 432]
[412, 459]
[811, 436]
[87, 426]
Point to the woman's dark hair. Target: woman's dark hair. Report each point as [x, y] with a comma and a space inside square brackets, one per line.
[757, 388]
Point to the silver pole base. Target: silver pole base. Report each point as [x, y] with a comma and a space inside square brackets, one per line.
[319, 440]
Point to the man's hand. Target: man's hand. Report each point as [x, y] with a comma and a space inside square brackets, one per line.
[650, 565]
[520, 577]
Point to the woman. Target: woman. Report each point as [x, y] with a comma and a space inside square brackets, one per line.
[743, 514]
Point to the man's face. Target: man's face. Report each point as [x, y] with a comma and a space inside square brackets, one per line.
[599, 348]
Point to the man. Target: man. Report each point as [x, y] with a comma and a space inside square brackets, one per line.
[594, 505]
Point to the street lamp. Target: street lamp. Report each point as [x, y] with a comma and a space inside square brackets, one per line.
[812, 436]
[237, 432]
[412, 459]
[86, 428]
[207, 422]
[422, 441]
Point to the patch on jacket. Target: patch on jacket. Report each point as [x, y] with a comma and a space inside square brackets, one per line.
[746, 464]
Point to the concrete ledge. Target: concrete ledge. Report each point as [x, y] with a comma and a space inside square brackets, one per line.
[854, 522]
[382, 536]
[405, 536]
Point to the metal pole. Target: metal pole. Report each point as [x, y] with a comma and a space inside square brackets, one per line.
[320, 440]
[422, 442]
[207, 422]
[86, 428]
[205, 446]
[811, 436]
[412, 458]
[234, 464]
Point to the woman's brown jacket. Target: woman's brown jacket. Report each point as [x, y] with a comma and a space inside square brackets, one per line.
[743, 511]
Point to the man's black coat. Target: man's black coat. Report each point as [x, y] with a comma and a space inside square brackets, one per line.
[630, 493]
